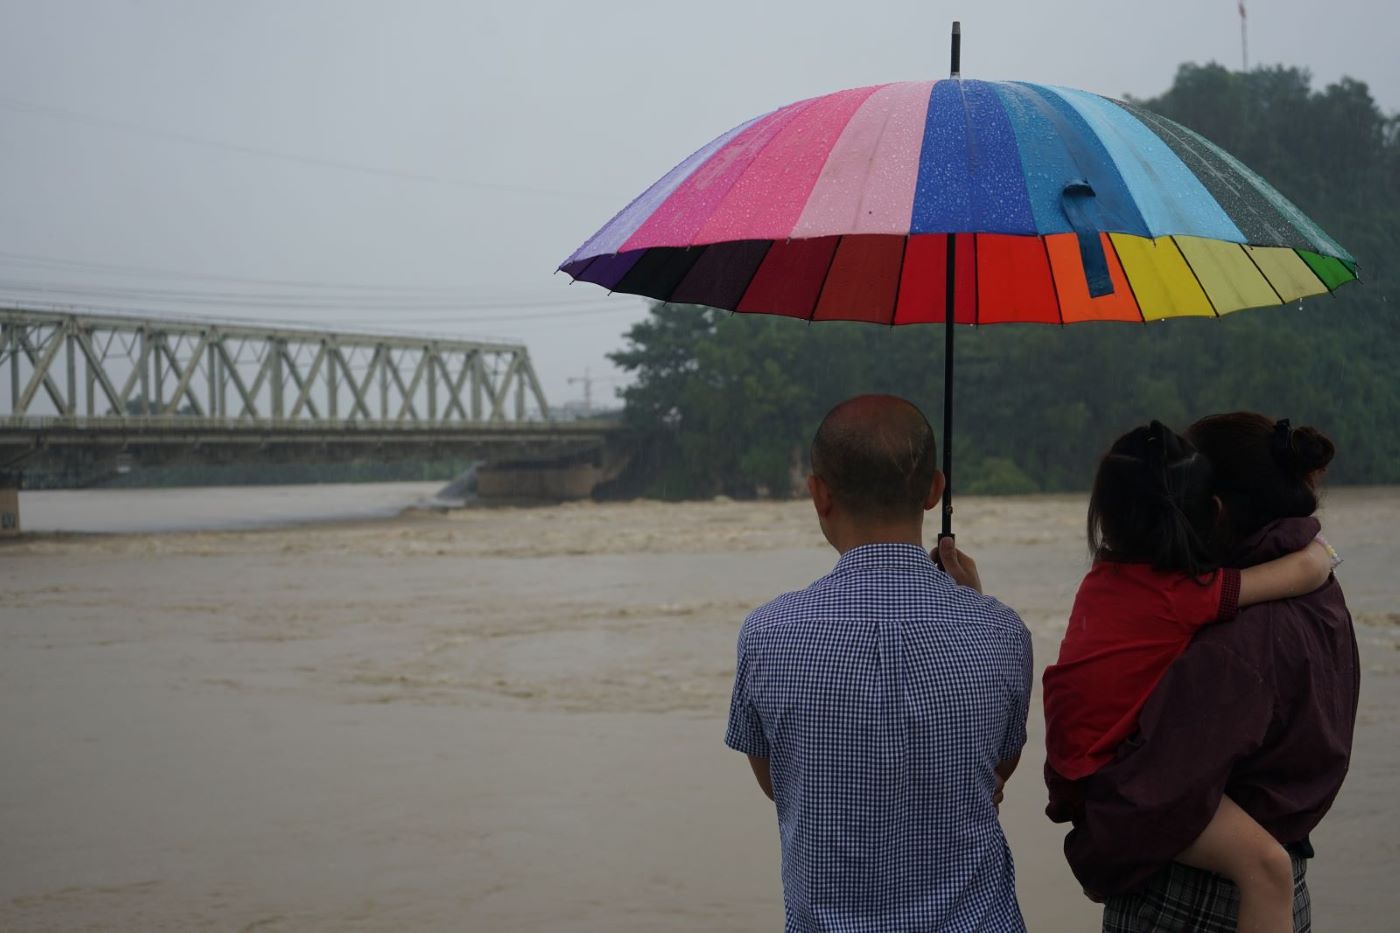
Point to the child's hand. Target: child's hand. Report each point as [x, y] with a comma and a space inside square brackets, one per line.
[1318, 556]
[1334, 559]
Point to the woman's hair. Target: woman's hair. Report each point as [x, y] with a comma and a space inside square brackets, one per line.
[1153, 503]
[1264, 469]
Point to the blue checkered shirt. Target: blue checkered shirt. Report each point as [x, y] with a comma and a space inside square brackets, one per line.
[883, 696]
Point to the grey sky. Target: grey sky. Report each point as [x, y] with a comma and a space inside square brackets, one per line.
[469, 147]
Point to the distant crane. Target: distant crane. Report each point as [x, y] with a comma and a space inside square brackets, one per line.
[587, 380]
[1244, 36]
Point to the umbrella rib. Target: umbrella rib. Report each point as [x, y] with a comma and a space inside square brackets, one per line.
[753, 275]
[1054, 286]
[1131, 290]
[679, 281]
[976, 290]
[1195, 275]
[826, 276]
[1163, 128]
[898, 279]
[1330, 290]
[1255, 262]
[586, 266]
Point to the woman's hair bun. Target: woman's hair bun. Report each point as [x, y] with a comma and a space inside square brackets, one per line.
[1310, 449]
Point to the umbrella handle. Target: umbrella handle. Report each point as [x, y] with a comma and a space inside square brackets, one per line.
[937, 552]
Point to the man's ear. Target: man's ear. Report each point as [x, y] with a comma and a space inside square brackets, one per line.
[935, 490]
[821, 494]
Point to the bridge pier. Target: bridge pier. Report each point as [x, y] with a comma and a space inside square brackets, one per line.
[537, 482]
[559, 479]
[9, 505]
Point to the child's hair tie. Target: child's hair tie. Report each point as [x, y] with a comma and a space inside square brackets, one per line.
[1283, 441]
[1157, 456]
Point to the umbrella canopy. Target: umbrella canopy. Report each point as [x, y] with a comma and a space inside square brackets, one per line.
[1066, 207]
[963, 202]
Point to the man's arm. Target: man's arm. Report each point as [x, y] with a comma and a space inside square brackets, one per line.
[1003, 772]
[1018, 693]
[745, 731]
[963, 571]
[760, 771]
[1140, 810]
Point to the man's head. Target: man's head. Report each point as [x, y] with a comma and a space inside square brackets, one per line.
[874, 471]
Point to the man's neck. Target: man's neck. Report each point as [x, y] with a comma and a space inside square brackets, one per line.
[848, 539]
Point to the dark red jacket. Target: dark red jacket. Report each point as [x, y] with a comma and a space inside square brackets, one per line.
[1261, 708]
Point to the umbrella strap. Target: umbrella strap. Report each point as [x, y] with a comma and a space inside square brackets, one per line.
[1082, 211]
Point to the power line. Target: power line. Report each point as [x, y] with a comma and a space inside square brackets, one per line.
[543, 316]
[390, 329]
[384, 302]
[156, 271]
[317, 294]
[90, 119]
[583, 312]
[98, 299]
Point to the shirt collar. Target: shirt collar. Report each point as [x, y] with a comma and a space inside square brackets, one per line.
[1279, 537]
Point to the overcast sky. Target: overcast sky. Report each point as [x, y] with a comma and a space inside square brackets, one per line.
[451, 154]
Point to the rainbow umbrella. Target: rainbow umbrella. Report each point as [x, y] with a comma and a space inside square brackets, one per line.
[968, 202]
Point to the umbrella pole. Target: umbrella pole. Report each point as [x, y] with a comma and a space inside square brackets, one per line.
[948, 391]
[949, 295]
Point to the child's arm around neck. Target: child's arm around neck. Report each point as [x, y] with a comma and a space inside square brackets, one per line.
[1295, 574]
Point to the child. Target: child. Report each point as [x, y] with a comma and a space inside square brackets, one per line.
[1153, 584]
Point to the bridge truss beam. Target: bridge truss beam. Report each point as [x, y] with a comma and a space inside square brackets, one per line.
[65, 368]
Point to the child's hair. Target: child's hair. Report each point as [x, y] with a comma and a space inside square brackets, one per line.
[1153, 503]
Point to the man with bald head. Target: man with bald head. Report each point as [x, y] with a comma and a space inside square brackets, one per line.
[883, 706]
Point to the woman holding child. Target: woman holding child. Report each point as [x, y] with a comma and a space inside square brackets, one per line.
[1188, 754]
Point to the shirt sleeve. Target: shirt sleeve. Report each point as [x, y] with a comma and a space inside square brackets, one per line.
[1229, 594]
[1196, 606]
[745, 732]
[1020, 690]
[1138, 812]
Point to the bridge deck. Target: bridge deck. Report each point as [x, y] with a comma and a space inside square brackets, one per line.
[58, 443]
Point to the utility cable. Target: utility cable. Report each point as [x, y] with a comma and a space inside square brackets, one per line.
[90, 119]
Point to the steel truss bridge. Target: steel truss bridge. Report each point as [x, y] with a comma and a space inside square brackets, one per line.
[81, 390]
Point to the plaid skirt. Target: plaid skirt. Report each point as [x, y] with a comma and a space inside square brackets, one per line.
[1188, 900]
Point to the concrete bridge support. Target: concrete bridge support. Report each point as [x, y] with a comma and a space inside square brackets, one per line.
[9, 505]
[560, 479]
